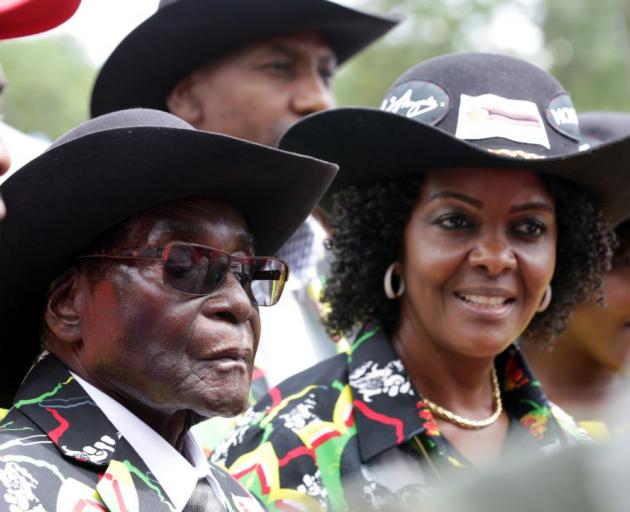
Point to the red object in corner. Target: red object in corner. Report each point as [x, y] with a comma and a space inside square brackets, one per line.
[27, 17]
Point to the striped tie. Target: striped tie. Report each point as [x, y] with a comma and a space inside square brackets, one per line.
[203, 499]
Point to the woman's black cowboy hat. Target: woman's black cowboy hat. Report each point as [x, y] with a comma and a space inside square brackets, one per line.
[599, 126]
[115, 166]
[184, 34]
[472, 110]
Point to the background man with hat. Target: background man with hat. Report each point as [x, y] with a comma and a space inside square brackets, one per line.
[251, 69]
[128, 256]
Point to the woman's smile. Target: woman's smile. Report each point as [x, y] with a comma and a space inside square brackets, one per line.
[486, 303]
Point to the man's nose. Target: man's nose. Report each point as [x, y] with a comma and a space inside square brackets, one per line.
[231, 302]
[494, 254]
[312, 94]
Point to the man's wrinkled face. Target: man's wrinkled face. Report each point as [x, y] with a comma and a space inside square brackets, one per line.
[259, 90]
[156, 349]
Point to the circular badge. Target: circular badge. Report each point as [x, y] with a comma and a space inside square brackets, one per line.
[420, 100]
[562, 117]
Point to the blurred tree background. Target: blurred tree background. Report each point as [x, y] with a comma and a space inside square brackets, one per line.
[48, 81]
[585, 44]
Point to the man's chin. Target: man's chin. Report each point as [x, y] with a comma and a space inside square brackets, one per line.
[226, 408]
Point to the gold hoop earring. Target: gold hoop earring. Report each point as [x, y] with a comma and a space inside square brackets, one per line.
[546, 300]
[387, 282]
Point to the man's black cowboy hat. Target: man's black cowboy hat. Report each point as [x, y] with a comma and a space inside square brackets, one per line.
[472, 110]
[113, 167]
[184, 34]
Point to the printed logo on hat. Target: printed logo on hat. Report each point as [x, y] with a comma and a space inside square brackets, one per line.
[419, 100]
[488, 116]
[562, 117]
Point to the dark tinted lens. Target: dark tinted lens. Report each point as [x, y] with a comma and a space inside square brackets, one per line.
[195, 270]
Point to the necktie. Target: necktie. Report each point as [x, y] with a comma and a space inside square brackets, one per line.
[203, 499]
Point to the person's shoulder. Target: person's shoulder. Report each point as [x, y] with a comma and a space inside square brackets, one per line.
[280, 420]
[304, 397]
[274, 450]
[31, 468]
[14, 423]
[321, 374]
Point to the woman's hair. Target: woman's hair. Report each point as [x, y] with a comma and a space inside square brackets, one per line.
[368, 224]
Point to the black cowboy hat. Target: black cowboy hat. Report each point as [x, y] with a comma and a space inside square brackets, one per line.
[115, 166]
[184, 34]
[472, 110]
[600, 126]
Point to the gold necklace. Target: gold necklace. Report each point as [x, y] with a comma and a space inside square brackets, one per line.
[460, 421]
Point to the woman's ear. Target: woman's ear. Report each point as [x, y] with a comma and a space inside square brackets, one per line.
[183, 101]
[62, 314]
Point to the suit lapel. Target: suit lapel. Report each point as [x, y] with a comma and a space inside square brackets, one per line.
[52, 399]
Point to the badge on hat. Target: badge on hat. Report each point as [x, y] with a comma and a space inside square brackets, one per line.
[489, 115]
[562, 117]
[419, 100]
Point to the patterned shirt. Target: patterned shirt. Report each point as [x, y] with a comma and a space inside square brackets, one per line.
[352, 432]
[59, 452]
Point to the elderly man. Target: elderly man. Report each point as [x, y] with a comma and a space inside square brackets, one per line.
[129, 258]
[250, 69]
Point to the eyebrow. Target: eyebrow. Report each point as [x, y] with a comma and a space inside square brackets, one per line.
[288, 51]
[534, 205]
[244, 241]
[456, 195]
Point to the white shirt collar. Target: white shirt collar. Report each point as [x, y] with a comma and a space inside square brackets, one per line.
[177, 476]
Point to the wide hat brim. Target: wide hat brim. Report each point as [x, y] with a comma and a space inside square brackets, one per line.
[371, 145]
[182, 36]
[61, 201]
[25, 17]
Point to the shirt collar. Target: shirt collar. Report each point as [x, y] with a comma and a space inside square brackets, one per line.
[175, 474]
[389, 411]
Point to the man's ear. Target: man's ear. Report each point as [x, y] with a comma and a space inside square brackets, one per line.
[63, 308]
[184, 102]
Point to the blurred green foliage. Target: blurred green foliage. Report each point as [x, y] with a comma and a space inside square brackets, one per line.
[585, 44]
[590, 46]
[48, 82]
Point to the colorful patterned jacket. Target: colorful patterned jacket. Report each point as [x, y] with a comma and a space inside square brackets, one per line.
[352, 433]
[58, 452]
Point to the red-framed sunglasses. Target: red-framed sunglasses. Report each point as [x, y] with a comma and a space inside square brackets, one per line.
[200, 270]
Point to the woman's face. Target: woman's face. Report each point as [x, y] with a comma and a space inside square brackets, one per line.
[603, 332]
[479, 251]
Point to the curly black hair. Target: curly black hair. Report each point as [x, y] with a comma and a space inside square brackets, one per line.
[367, 233]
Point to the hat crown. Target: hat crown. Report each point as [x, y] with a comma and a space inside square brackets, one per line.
[129, 118]
[495, 101]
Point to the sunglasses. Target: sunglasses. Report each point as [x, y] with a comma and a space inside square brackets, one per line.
[200, 270]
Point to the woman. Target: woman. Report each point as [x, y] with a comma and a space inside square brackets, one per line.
[588, 366]
[457, 211]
